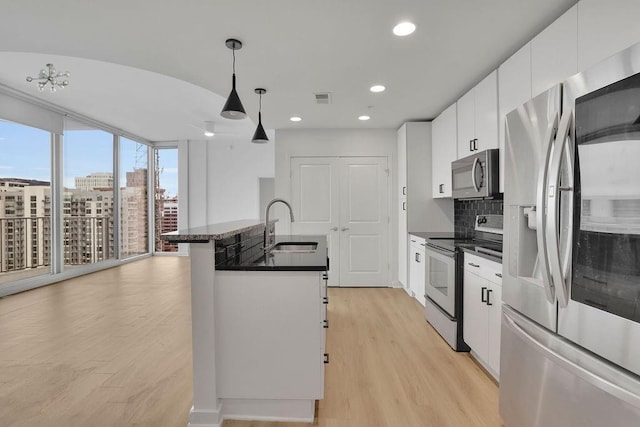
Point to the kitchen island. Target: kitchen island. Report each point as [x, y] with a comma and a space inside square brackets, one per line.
[258, 323]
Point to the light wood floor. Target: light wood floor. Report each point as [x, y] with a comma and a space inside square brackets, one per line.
[114, 349]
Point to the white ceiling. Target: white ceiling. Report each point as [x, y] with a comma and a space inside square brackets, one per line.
[160, 68]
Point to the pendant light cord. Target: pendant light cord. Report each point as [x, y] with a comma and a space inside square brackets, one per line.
[234, 60]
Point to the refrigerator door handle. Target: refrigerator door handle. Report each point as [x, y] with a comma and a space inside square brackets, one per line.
[553, 210]
[622, 393]
[541, 219]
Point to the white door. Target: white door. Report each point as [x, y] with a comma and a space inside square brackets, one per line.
[346, 199]
[315, 201]
[364, 221]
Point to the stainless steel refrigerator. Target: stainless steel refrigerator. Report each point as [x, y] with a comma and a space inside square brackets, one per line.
[570, 350]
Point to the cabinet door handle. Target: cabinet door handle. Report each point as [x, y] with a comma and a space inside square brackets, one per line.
[404, 206]
[334, 229]
[488, 295]
[325, 323]
[471, 145]
[475, 146]
[499, 275]
[483, 297]
[417, 256]
[325, 300]
[326, 358]
[404, 191]
[344, 228]
[473, 265]
[441, 188]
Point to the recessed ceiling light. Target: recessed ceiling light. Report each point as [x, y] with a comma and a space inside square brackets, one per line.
[404, 29]
[209, 130]
[377, 88]
[295, 119]
[364, 118]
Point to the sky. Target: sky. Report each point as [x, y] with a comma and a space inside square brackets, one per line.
[25, 152]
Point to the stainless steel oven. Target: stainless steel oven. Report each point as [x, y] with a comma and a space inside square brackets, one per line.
[440, 278]
[442, 292]
[443, 275]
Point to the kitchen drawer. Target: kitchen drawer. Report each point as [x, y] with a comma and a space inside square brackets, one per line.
[487, 269]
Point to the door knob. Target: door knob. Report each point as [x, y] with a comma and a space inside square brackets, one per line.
[344, 228]
[333, 229]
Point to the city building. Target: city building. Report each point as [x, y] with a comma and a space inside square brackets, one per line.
[94, 180]
[168, 222]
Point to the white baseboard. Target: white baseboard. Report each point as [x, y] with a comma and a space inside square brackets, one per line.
[205, 418]
[282, 410]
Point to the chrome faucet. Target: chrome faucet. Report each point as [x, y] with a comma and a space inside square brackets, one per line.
[269, 229]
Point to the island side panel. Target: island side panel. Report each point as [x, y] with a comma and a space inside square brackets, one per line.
[206, 404]
[268, 335]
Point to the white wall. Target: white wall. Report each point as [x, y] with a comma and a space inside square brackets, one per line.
[221, 179]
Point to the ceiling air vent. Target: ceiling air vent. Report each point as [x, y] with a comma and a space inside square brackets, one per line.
[323, 98]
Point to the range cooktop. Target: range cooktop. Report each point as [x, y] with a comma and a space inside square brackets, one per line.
[453, 243]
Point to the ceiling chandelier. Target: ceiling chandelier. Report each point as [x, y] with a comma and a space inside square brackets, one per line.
[50, 76]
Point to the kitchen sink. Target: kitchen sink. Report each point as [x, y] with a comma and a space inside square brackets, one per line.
[295, 247]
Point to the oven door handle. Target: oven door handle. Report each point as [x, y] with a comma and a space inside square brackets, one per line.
[440, 251]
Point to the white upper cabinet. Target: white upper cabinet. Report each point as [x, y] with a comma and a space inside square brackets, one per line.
[604, 28]
[466, 107]
[478, 117]
[487, 112]
[554, 52]
[514, 90]
[444, 150]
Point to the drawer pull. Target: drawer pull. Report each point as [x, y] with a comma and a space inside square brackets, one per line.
[499, 275]
[473, 265]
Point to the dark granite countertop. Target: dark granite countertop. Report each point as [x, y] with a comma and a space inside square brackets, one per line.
[306, 261]
[209, 232]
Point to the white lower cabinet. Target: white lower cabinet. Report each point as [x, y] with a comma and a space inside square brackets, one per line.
[482, 308]
[417, 267]
[270, 336]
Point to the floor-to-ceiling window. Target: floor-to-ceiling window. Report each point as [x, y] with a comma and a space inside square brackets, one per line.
[88, 195]
[75, 197]
[134, 198]
[166, 196]
[25, 202]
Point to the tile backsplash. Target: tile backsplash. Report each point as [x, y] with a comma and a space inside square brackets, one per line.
[465, 212]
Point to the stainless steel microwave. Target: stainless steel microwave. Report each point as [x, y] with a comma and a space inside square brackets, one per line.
[476, 175]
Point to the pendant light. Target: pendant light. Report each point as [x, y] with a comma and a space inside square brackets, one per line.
[260, 136]
[233, 108]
